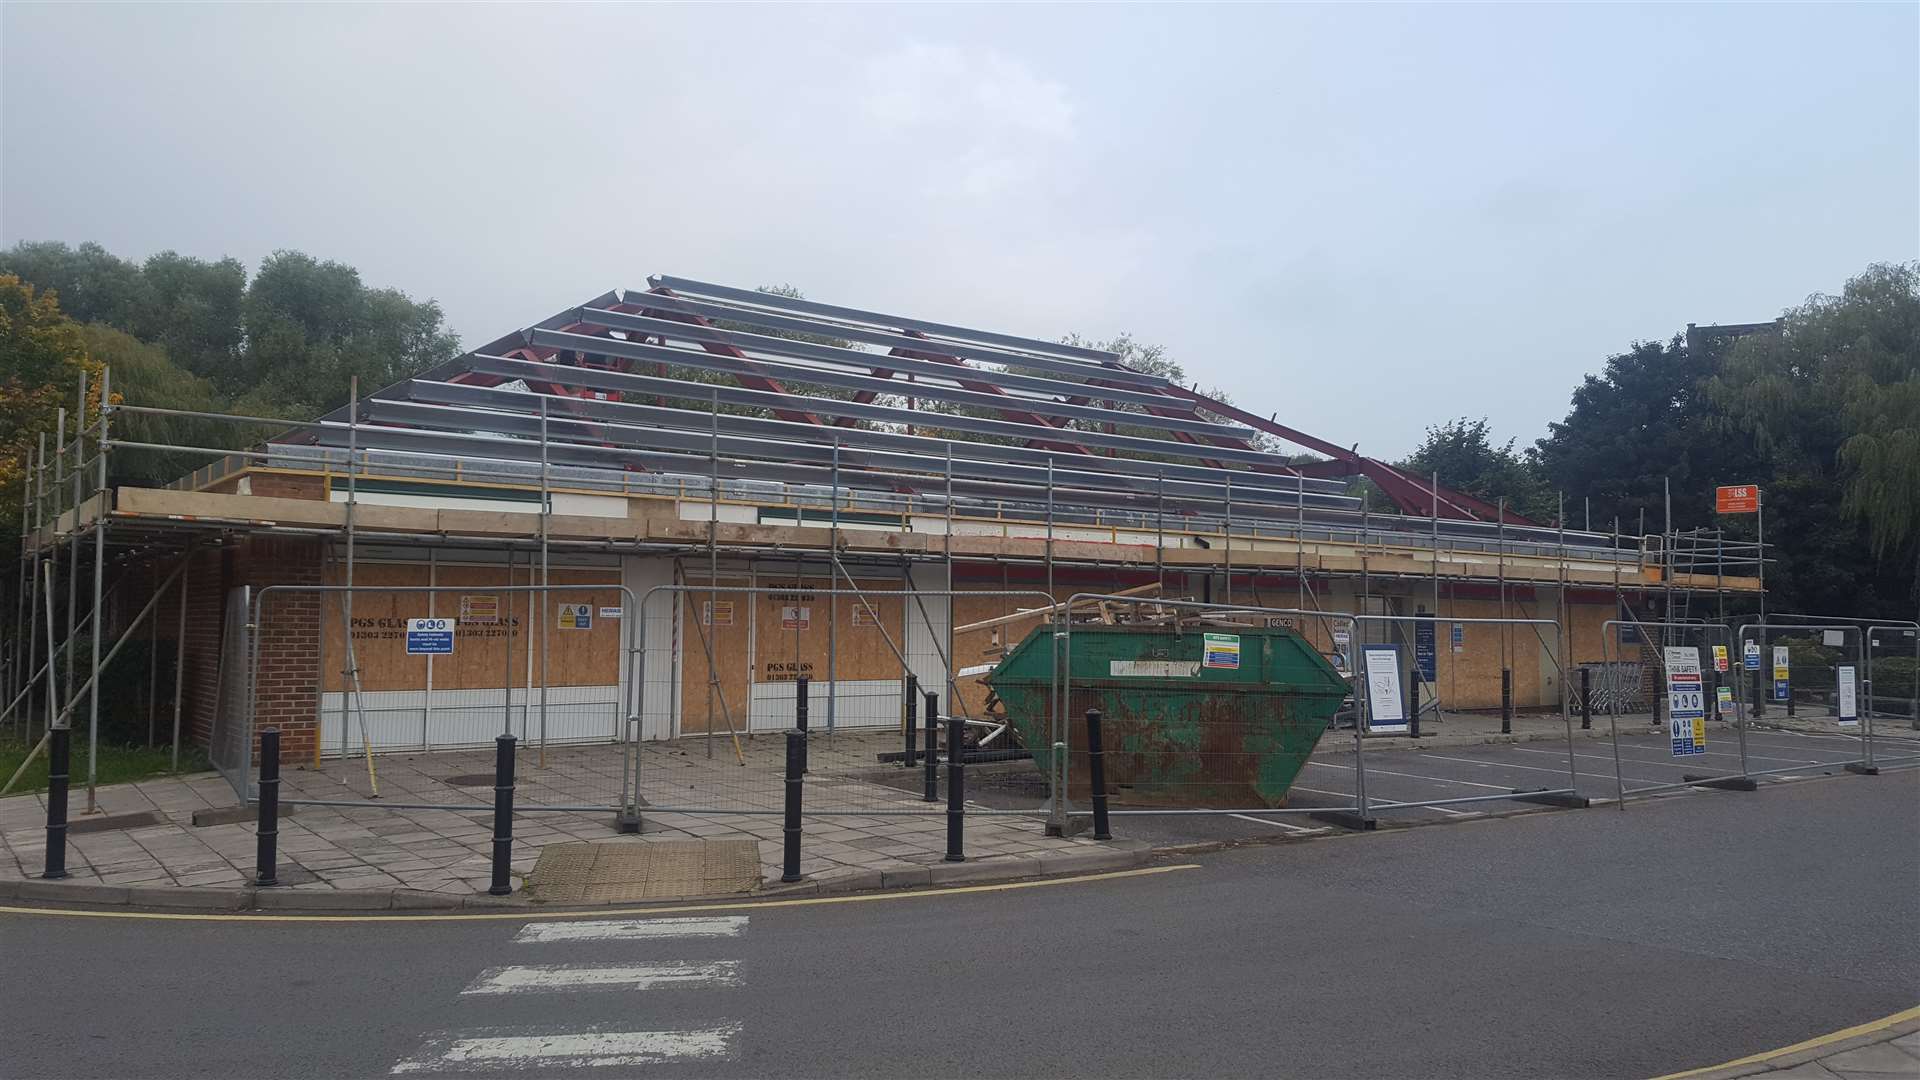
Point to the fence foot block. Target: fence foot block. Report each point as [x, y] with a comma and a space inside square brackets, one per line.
[627, 821]
[1548, 798]
[1724, 783]
[1863, 770]
[1346, 819]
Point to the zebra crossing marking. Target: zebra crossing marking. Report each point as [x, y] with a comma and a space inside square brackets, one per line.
[631, 929]
[506, 1049]
[542, 978]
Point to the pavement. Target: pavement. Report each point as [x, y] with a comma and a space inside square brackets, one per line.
[425, 839]
[1880, 1050]
[1678, 935]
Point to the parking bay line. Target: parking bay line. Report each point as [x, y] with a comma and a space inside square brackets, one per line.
[1654, 761]
[1508, 788]
[1447, 810]
[631, 929]
[1491, 764]
[500, 1050]
[536, 978]
[1287, 825]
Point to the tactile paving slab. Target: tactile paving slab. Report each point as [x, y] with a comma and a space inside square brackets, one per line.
[667, 870]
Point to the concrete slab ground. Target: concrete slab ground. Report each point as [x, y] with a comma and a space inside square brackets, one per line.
[428, 833]
[429, 830]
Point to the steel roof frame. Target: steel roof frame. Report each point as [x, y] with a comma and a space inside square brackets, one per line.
[919, 348]
[569, 430]
[626, 382]
[930, 447]
[833, 354]
[660, 301]
[628, 349]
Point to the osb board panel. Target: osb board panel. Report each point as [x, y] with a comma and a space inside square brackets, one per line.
[667, 870]
[763, 645]
[480, 657]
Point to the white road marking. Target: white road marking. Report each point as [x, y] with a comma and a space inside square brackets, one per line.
[1490, 764]
[1287, 825]
[496, 1050]
[535, 978]
[631, 929]
[1371, 771]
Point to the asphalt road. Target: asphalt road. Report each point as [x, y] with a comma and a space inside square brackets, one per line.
[1604, 943]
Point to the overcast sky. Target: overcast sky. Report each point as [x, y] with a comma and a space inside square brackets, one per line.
[1365, 218]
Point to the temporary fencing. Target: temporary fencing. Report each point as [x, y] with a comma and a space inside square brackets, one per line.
[408, 670]
[1693, 665]
[870, 668]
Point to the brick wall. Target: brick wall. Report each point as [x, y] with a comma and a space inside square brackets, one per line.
[287, 694]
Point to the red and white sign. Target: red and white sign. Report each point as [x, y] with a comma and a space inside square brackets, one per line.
[1738, 499]
[796, 618]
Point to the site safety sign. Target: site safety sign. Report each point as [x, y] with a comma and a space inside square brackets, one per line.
[1719, 658]
[1751, 656]
[576, 616]
[1686, 701]
[1848, 713]
[1221, 651]
[1386, 708]
[1736, 499]
[430, 637]
[1782, 674]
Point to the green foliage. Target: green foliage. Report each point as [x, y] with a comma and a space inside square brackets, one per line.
[1836, 397]
[1643, 422]
[1464, 454]
[42, 356]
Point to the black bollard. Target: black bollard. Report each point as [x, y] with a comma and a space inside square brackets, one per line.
[1759, 693]
[932, 784]
[59, 771]
[1413, 702]
[956, 791]
[1506, 701]
[800, 716]
[913, 721]
[1097, 776]
[1789, 699]
[1586, 699]
[502, 816]
[266, 861]
[1710, 684]
[790, 828]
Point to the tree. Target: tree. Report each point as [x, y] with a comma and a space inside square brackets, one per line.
[1833, 401]
[310, 326]
[42, 357]
[1463, 453]
[1646, 422]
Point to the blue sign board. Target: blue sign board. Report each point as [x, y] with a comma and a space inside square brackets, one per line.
[1424, 648]
[1781, 690]
[1750, 656]
[430, 637]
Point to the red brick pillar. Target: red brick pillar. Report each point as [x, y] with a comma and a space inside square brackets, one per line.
[287, 695]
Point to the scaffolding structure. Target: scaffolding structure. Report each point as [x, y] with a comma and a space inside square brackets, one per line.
[821, 415]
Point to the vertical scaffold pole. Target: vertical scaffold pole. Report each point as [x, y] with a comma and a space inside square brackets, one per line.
[99, 582]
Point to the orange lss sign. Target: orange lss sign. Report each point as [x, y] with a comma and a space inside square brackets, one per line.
[1738, 499]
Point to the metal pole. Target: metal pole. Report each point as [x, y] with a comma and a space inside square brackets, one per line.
[180, 652]
[1229, 536]
[947, 660]
[1300, 547]
[1760, 543]
[506, 661]
[353, 653]
[65, 655]
[546, 597]
[707, 627]
[99, 584]
[1050, 596]
[1160, 532]
[833, 597]
[1504, 639]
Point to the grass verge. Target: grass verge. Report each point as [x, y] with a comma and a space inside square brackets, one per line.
[118, 764]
